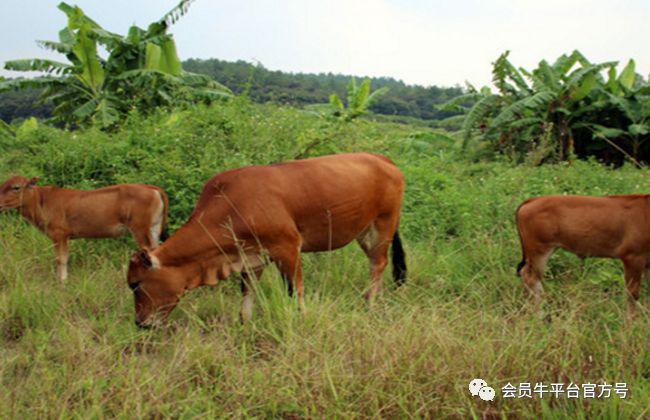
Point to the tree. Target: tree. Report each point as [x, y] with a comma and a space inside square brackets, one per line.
[142, 71]
[565, 103]
[630, 96]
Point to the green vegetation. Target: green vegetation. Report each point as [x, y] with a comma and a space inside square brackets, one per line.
[300, 89]
[71, 349]
[142, 72]
[406, 102]
[562, 109]
[358, 100]
[21, 104]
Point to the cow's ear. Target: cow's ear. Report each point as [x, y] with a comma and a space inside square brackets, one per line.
[145, 259]
[148, 261]
[32, 182]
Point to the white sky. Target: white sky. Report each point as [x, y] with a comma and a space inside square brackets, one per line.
[431, 42]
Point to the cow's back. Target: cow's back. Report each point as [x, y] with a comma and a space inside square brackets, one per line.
[104, 212]
[330, 199]
[589, 226]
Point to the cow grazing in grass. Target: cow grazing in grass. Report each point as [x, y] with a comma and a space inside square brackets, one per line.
[277, 211]
[64, 214]
[609, 227]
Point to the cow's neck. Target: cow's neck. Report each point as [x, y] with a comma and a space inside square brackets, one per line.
[202, 258]
[204, 247]
[193, 243]
[32, 206]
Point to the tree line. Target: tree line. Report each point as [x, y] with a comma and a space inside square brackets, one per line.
[299, 89]
[264, 85]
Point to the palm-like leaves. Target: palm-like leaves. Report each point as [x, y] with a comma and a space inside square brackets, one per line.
[38, 64]
[570, 94]
[359, 99]
[142, 71]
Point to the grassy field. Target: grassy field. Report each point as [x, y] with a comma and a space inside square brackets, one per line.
[71, 349]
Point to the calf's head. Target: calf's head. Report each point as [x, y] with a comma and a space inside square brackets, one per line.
[156, 289]
[14, 191]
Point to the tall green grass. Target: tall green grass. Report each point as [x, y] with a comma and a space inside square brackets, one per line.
[71, 349]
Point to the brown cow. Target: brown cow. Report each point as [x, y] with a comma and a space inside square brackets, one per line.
[64, 214]
[611, 227]
[279, 211]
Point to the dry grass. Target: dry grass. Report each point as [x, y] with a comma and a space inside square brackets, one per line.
[71, 349]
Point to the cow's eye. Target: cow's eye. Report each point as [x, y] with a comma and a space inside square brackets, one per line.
[16, 188]
[134, 286]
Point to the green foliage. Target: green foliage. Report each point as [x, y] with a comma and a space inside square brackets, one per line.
[142, 72]
[359, 99]
[402, 102]
[569, 103]
[70, 349]
[300, 89]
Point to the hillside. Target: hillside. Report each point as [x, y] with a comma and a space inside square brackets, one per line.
[300, 89]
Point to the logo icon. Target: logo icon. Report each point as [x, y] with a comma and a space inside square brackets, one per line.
[479, 387]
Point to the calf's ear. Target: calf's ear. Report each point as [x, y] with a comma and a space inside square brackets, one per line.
[32, 182]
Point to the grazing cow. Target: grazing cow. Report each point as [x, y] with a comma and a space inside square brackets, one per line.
[611, 227]
[279, 211]
[64, 214]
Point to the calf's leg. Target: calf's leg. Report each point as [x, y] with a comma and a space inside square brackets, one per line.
[61, 250]
[634, 270]
[143, 237]
[375, 241]
[533, 271]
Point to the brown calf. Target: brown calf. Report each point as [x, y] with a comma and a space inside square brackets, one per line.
[278, 211]
[609, 227]
[64, 214]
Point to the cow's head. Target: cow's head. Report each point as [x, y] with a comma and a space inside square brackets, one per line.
[156, 289]
[13, 191]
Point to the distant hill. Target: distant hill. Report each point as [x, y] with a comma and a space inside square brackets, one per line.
[264, 85]
[302, 88]
[18, 105]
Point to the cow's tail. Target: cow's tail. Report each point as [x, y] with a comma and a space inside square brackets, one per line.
[522, 263]
[399, 260]
[164, 231]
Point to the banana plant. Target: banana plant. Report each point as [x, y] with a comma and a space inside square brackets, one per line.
[359, 99]
[624, 112]
[528, 104]
[142, 71]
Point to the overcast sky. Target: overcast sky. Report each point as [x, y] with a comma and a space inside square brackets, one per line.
[434, 42]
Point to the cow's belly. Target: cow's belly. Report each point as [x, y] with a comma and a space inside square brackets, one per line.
[602, 241]
[99, 231]
[323, 236]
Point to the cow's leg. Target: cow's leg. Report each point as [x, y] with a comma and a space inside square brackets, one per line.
[375, 241]
[287, 258]
[289, 284]
[248, 293]
[634, 270]
[61, 250]
[533, 272]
